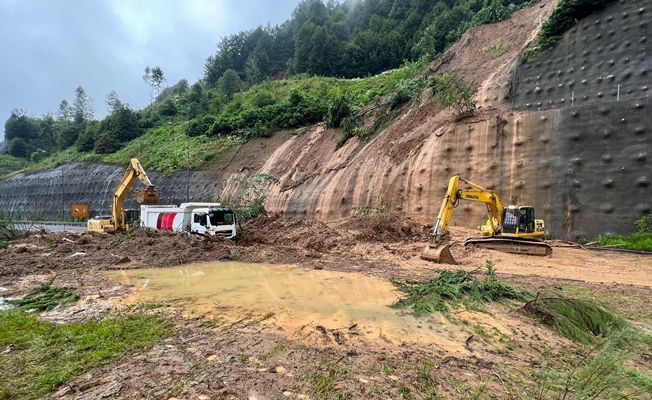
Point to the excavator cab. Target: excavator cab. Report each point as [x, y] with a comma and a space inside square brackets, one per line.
[519, 219]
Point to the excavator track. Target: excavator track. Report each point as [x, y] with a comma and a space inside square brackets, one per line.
[532, 247]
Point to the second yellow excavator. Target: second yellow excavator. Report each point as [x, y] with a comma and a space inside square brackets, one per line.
[511, 229]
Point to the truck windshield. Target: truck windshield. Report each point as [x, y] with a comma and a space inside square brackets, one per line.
[221, 217]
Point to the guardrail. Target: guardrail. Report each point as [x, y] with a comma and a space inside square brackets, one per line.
[44, 223]
[58, 223]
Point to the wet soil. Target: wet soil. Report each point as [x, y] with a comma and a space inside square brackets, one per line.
[251, 347]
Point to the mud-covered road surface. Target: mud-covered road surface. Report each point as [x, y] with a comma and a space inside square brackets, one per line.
[300, 309]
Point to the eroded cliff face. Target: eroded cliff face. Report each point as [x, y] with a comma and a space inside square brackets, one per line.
[505, 151]
[568, 134]
[558, 134]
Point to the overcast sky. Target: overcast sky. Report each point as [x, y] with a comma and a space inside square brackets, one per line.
[50, 47]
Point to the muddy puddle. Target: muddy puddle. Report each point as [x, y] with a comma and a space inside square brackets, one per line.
[297, 298]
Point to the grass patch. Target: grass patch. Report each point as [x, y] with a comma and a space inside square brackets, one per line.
[168, 149]
[11, 228]
[600, 371]
[9, 163]
[40, 356]
[451, 288]
[325, 379]
[496, 48]
[641, 241]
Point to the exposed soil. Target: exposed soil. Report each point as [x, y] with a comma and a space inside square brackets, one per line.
[227, 354]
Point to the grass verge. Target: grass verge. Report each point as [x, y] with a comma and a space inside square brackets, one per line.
[36, 357]
[641, 241]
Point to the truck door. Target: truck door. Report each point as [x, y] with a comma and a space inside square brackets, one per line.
[199, 222]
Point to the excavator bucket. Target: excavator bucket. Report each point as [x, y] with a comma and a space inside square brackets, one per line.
[440, 254]
[147, 195]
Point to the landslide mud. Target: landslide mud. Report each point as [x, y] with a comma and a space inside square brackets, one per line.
[262, 331]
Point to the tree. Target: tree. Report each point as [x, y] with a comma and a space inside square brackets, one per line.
[113, 102]
[48, 132]
[230, 83]
[168, 108]
[64, 113]
[252, 70]
[197, 100]
[106, 144]
[155, 78]
[19, 125]
[181, 88]
[86, 139]
[82, 107]
[18, 148]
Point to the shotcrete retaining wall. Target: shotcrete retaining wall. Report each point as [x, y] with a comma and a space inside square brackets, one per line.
[599, 78]
[603, 59]
[54, 191]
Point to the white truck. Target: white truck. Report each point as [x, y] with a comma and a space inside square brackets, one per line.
[207, 219]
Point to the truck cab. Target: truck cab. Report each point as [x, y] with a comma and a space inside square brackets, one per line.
[214, 221]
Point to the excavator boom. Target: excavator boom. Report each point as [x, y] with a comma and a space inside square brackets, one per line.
[147, 195]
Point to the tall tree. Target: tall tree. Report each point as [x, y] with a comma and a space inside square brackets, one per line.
[113, 102]
[82, 106]
[19, 125]
[155, 78]
[64, 113]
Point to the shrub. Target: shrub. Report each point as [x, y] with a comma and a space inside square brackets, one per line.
[168, 108]
[451, 91]
[200, 125]
[338, 109]
[249, 199]
[106, 143]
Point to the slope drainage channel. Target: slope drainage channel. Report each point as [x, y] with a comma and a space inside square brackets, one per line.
[297, 298]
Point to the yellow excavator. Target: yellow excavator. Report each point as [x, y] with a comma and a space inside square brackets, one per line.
[511, 229]
[119, 218]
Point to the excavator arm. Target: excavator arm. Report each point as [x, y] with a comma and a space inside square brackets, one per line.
[118, 220]
[476, 193]
[148, 195]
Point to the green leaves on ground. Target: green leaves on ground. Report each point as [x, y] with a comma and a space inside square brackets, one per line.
[637, 241]
[452, 287]
[604, 370]
[45, 297]
[580, 320]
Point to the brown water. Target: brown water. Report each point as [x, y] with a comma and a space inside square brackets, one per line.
[297, 297]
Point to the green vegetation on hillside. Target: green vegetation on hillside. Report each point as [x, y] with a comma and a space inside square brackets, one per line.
[641, 240]
[241, 97]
